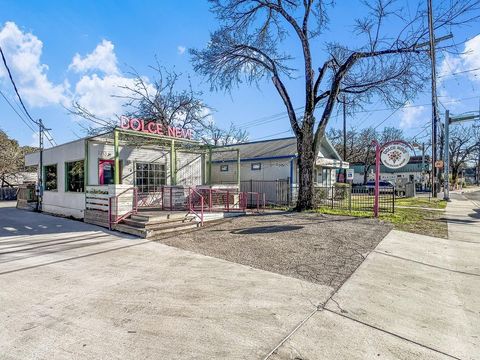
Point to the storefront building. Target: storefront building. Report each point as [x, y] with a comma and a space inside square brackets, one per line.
[79, 177]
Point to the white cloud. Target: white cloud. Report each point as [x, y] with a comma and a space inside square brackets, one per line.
[100, 95]
[181, 49]
[23, 51]
[102, 58]
[467, 60]
[411, 115]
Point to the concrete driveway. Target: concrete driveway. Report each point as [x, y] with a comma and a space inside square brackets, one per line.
[74, 291]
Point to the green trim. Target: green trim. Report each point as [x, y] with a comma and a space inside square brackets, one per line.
[65, 182]
[238, 168]
[209, 165]
[116, 169]
[173, 163]
[85, 166]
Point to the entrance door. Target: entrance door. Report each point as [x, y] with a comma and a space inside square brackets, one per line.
[106, 172]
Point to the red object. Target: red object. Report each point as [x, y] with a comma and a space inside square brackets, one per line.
[154, 128]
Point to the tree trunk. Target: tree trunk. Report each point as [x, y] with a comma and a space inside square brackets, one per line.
[306, 164]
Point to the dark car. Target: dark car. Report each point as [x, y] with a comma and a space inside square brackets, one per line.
[369, 187]
[382, 184]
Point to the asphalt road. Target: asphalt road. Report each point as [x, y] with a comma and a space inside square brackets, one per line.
[475, 196]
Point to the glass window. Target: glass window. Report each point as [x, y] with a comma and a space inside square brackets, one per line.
[223, 168]
[149, 177]
[50, 177]
[256, 166]
[75, 176]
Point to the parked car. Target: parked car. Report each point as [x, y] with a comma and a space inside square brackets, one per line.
[370, 186]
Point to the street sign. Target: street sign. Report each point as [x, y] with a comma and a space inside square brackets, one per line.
[350, 173]
[395, 154]
[439, 164]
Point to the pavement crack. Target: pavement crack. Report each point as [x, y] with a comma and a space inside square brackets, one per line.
[393, 334]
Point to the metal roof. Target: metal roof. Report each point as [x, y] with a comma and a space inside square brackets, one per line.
[274, 148]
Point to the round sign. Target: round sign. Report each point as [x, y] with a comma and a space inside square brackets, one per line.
[395, 155]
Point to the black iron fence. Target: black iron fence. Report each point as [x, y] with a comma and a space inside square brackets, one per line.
[359, 198]
[338, 196]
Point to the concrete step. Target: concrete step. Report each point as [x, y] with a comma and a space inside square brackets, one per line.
[155, 231]
[152, 223]
[159, 215]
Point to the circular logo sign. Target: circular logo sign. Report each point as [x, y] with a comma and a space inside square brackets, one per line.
[395, 155]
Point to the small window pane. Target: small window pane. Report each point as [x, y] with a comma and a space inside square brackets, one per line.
[75, 176]
[256, 166]
[50, 181]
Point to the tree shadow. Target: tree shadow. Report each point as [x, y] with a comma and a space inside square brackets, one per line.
[266, 229]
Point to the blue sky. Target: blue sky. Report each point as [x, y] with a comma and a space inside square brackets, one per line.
[60, 50]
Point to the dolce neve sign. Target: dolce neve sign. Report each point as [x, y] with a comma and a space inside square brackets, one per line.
[154, 128]
[395, 154]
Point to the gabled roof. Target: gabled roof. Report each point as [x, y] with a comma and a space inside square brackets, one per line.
[278, 148]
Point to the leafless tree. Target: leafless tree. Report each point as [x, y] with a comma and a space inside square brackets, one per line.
[213, 135]
[388, 62]
[162, 101]
[359, 149]
[464, 144]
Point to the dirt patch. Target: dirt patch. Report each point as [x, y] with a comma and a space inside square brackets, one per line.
[323, 249]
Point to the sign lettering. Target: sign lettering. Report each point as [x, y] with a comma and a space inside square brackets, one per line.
[395, 155]
[154, 128]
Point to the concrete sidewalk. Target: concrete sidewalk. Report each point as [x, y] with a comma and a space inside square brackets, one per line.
[414, 297]
[463, 217]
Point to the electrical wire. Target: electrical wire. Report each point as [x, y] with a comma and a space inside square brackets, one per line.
[16, 112]
[48, 135]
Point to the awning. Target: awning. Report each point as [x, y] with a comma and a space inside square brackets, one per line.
[331, 163]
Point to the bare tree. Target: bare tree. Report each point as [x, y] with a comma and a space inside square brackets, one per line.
[161, 101]
[464, 144]
[213, 135]
[359, 149]
[377, 63]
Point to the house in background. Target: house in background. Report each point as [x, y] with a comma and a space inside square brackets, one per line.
[415, 171]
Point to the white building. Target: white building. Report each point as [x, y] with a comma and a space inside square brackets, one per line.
[79, 177]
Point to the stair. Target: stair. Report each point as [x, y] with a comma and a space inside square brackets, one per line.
[148, 224]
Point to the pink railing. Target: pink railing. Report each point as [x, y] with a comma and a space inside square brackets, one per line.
[192, 209]
[113, 209]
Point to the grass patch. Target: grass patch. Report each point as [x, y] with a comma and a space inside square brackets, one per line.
[418, 221]
[422, 202]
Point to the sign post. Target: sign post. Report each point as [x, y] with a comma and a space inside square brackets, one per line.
[394, 155]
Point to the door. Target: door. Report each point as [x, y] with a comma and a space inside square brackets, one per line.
[106, 173]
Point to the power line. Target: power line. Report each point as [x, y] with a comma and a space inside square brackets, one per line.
[15, 87]
[38, 123]
[16, 112]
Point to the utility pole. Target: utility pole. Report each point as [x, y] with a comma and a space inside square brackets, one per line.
[41, 130]
[449, 120]
[434, 97]
[344, 137]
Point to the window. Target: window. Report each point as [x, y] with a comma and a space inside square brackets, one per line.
[256, 166]
[223, 168]
[50, 177]
[149, 177]
[74, 176]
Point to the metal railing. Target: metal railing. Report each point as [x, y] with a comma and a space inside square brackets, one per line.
[358, 198]
[113, 207]
[192, 196]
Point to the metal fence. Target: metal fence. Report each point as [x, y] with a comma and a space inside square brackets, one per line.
[8, 193]
[277, 192]
[339, 196]
[354, 198]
